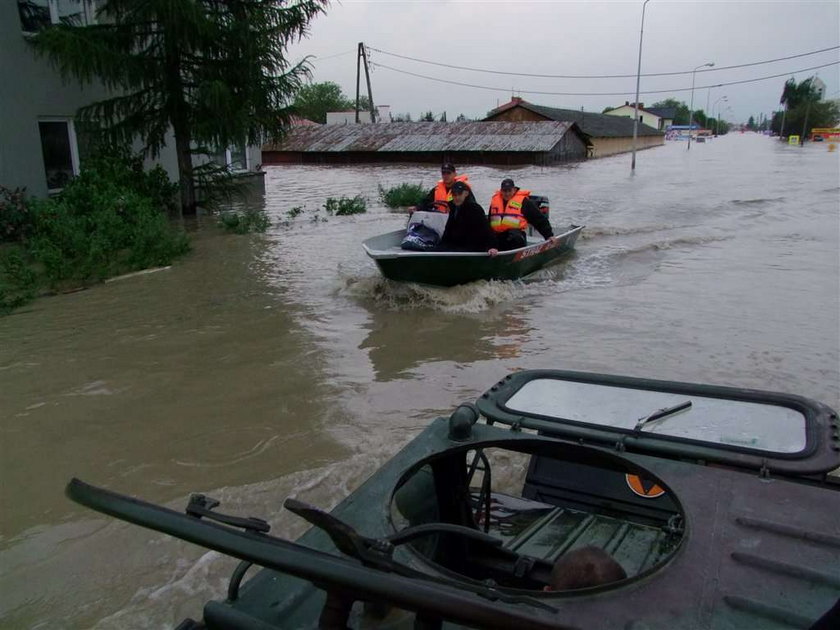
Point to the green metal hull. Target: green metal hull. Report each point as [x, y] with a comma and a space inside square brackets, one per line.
[447, 269]
[748, 542]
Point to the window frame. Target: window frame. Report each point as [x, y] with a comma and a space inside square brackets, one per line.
[72, 141]
[87, 11]
[228, 156]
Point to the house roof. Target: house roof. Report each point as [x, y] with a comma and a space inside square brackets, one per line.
[592, 124]
[428, 136]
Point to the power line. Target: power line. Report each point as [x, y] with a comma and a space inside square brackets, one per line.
[600, 76]
[348, 52]
[701, 87]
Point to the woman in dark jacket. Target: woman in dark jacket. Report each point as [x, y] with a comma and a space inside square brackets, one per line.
[467, 228]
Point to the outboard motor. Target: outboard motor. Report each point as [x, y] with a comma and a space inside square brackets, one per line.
[541, 203]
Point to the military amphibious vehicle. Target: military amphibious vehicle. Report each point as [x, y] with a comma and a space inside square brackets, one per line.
[717, 502]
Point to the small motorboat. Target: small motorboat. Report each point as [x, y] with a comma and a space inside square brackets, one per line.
[716, 502]
[447, 269]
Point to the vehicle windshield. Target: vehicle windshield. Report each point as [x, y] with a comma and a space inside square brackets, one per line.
[764, 427]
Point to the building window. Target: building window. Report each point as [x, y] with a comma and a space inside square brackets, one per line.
[36, 15]
[60, 151]
[234, 157]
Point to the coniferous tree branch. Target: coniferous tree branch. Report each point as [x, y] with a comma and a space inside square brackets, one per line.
[214, 72]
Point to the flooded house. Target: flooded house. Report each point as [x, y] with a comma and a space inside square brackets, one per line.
[609, 134]
[42, 146]
[499, 142]
[659, 118]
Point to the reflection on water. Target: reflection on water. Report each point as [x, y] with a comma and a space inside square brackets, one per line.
[282, 364]
[425, 336]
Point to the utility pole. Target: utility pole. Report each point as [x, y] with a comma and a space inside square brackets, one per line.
[782, 128]
[805, 124]
[362, 56]
[638, 77]
[358, 76]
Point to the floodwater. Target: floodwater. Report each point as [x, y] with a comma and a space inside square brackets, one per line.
[280, 364]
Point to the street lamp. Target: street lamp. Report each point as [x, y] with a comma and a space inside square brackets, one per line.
[728, 109]
[717, 120]
[636, 104]
[691, 107]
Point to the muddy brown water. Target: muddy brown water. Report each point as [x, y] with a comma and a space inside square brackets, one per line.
[264, 366]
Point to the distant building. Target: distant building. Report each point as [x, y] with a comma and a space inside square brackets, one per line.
[659, 118]
[545, 142]
[819, 87]
[298, 121]
[608, 134]
[348, 117]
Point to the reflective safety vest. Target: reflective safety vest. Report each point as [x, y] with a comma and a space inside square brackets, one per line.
[508, 217]
[441, 194]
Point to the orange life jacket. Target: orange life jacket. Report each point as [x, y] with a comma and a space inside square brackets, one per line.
[508, 217]
[441, 194]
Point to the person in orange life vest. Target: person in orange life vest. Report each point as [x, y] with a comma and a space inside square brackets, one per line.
[466, 228]
[511, 210]
[438, 198]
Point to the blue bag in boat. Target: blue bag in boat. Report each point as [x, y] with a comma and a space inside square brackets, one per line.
[424, 231]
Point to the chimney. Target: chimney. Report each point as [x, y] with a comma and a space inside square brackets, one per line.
[516, 100]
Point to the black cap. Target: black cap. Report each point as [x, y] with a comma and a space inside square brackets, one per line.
[447, 168]
[507, 183]
[459, 187]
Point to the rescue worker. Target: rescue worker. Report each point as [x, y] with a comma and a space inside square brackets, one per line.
[439, 197]
[511, 210]
[466, 228]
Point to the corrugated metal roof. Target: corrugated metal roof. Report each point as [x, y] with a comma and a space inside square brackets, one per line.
[591, 123]
[426, 136]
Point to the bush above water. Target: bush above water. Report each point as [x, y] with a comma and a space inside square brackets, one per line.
[345, 206]
[244, 222]
[109, 220]
[402, 195]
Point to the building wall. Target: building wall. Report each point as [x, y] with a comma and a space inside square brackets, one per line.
[645, 118]
[570, 148]
[603, 147]
[32, 91]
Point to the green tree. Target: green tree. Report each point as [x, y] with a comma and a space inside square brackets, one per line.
[314, 100]
[804, 109]
[681, 115]
[751, 123]
[427, 117]
[214, 73]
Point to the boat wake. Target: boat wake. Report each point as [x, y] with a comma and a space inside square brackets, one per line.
[593, 232]
[759, 201]
[475, 297]
[197, 575]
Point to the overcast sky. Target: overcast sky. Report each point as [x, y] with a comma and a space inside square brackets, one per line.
[562, 37]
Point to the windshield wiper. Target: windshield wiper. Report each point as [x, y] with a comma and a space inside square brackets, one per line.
[661, 413]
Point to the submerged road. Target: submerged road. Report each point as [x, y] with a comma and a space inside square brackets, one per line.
[281, 364]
